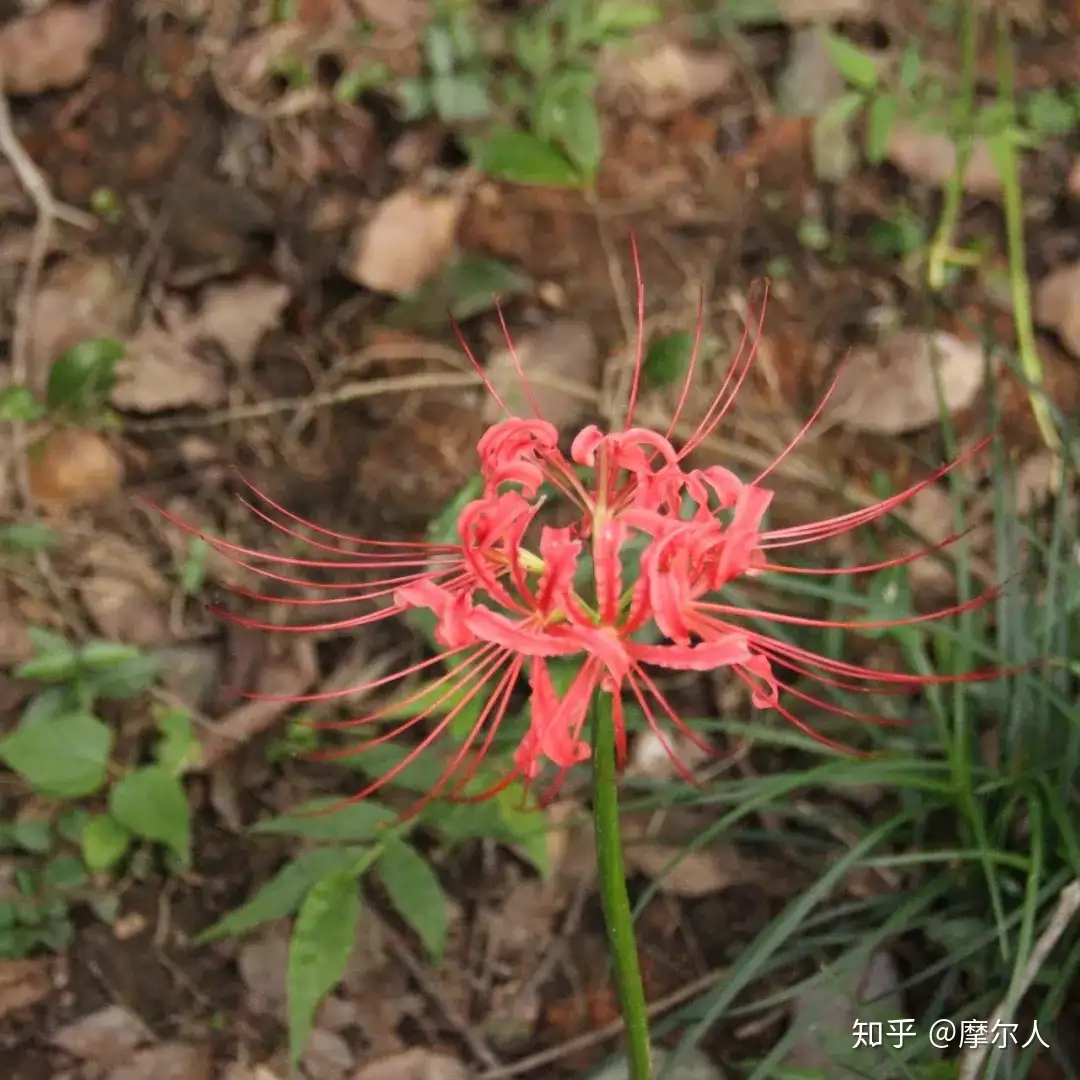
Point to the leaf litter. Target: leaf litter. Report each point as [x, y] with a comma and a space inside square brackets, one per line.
[681, 111]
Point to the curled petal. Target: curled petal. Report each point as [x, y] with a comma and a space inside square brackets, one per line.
[452, 609]
[728, 651]
[512, 451]
[555, 729]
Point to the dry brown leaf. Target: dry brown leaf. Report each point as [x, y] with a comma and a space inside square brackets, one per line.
[414, 1064]
[169, 1061]
[890, 389]
[930, 514]
[562, 352]
[15, 644]
[405, 241]
[697, 873]
[236, 315]
[931, 157]
[123, 593]
[659, 78]
[72, 467]
[52, 48]
[652, 756]
[109, 1036]
[23, 983]
[326, 1057]
[1072, 185]
[164, 367]
[82, 298]
[1056, 304]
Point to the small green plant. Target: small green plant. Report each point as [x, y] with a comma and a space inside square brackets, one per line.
[915, 92]
[63, 750]
[77, 391]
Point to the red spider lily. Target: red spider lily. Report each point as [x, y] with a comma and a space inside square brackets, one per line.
[505, 608]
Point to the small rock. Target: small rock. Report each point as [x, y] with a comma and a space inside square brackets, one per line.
[108, 1037]
[1056, 306]
[931, 157]
[170, 1061]
[71, 467]
[23, 983]
[415, 1064]
[263, 964]
[52, 48]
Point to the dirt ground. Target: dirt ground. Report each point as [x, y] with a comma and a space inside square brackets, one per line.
[233, 249]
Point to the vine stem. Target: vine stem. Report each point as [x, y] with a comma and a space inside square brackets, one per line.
[613, 895]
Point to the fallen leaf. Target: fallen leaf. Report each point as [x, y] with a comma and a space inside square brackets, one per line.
[1056, 304]
[1037, 480]
[931, 157]
[405, 241]
[655, 757]
[107, 1037]
[414, 1064]
[1072, 184]
[237, 315]
[890, 389]
[23, 983]
[170, 1061]
[659, 78]
[124, 595]
[164, 367]
[806, 12]
[696, 873]
[15, 644]
[71, 467]
[52, 48]
[81, 298]
[930, 513]
[326, 1057]
[262, 963]
[825, 1013]
[563, 352]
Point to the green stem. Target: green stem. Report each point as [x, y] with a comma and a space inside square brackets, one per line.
[613, 894]
[942, 250]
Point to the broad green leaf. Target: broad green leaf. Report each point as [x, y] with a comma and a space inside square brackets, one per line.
[126, 679]
[285, 891]
[534, 47]
[856, 66]
[152, 803]
[475, 284]
[65, 758]
[415, 891]
[880, 118]
[325, 819]
[178, 749]
[102, 655]
[82, 379]
[65, 873]
[323, 939]
[32, 835]
[18, 404]
[59, 666]
[104, 842]
[48, 705]
[461, 97]
[376, 760]
[27, 538]
[668, 359]
[617, 17]
[521, 158]
[576, 128]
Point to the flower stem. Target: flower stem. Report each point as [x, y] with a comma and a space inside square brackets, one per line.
[613, 894]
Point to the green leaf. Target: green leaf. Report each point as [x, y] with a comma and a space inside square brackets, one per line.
[534, 48]
[324, 936]
[910, 67]
[364, 820]
[880, 118]
[124, 680]
[461, 97]
[27, 538]
[618, 17]
[66, 873]
[415, 891]
[284, 892]
[104, 842]
[522, 158]
[102, 655]
[377, 759]
[18, 404]
[66, 758]
[32, 835]
[668, 359]
[857, 68]
[152, 803]
[475, 284]
[178, 750]
[82, 379]
[580, 133]
[61, 665]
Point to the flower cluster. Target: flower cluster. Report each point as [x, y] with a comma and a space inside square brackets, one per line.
[634, 584]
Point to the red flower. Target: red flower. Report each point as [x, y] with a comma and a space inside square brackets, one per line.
[506, 606]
